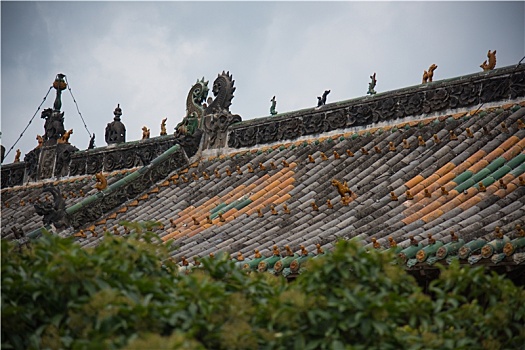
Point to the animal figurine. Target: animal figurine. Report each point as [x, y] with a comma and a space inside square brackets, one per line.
[17, 156]
[145, 133]
[492, 61]
[65, 137]
[321, 101]
[427, 75]
[163, 127]
[102, 183]
[342, 188]
[40, 140]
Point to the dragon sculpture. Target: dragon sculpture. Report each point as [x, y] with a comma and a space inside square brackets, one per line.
[194, 109]
[53, 213]
[217, 116]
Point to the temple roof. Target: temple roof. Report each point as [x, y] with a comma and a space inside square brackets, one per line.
[413, 179]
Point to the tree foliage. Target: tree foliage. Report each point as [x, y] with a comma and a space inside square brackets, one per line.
[126, 293]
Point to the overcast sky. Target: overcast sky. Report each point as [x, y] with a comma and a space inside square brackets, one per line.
[145, 56]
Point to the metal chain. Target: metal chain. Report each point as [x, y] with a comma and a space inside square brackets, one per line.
[27, 126]
[80, 114]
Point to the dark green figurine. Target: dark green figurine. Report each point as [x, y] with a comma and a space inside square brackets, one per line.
[272, 108]
[372, 85]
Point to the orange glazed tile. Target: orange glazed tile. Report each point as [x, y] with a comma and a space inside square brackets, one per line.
[475, 168]
[414, 208]
[509, 142]
[287, 182]
[521, 144]
[452, 204]
[414, 181]
[459, 115]
[101, 222]
[283, 198]
[432, 216]
[196, 231]
[270, 200]
[154, 190]
[470, 202]
[230, 213]
[470, 193]
[410, 219]
[134, 203]
[507, 106]
[429, 208]
[446, 179]
[430, 180]
[273, 185]
[112, 216]
[512, 152]
[494, 154]
[143, 197]
[258, 194]
[476, 156]
[461, 167]
[522, 103]
[445, 169]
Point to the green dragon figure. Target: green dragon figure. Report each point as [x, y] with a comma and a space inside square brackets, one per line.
[194, 109]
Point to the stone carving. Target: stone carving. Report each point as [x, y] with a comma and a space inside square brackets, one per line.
[63, 158]
[321, 101]
[53, 126]
[372, 85]
[145, 133]
[194, 109]
[116, 131]
[428, 75]
[272, 107]
[53, 212]
[217, 116]
[65, 137]
[91, 142]
[492, 61]
[31, 163]
[163, 127]
[102, 183]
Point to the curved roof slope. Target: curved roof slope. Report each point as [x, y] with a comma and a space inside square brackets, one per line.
[17, 202]
[461, 173]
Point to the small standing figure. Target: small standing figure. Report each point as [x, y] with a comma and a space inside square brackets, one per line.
[145, 133]
[40, 140]
[65, 136]
[427, 75]
[492, 61]
[272, 108]
[163, 127]
[92, 142]
[321, 101]
[372, 85]
[102, 183]
[17, 156]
